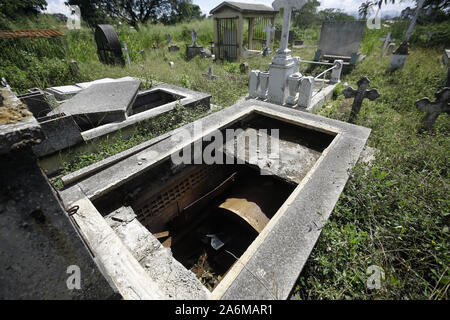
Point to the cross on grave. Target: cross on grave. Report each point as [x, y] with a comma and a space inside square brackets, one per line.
[194, 38]
[127, 52]
[387, 41]
[287, 6]
[360, 94]
[269, 29]
[210, 74]
[434, 109]
[168, 38]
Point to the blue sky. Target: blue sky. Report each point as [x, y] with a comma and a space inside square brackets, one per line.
[57, 6]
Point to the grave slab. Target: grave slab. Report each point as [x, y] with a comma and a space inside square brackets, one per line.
[102, 102]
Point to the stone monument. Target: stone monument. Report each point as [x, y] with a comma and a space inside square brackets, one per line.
[195, 49]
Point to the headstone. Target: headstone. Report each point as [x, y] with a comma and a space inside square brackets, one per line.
[387, 40]
[101, 103]
[263, 85]
[283, 64]
[269, 29]
[109, 49]
[391, 48]
[194, 38]
[142, 52]
[360, 94]
[399, 57]
[337, 71]
[174, 48]
[446, 57]
[434, 109]
[168, 38]
[127, 53]
[293, 87]
[306, 90]
[340, 39]
[244, 67]
[254, 83]
[210, 75]
[171, 64]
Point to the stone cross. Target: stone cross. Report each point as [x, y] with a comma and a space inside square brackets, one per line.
[287, 6]
[434, 109]
[168, 38]
[210, 74]
[360, 94]
[269, 29]
[194, 38]
[127, 52]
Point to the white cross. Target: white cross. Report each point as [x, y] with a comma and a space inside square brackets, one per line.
[287, 5]
[269, 29]
[387, 41]
[127, 52]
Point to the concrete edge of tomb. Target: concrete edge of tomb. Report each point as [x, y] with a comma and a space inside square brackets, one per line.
[114, 176]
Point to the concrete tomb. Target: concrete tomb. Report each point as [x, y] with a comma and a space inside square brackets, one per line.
[193, 50]
[199, 230]
[41, 251]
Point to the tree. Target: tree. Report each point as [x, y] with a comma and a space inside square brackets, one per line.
[365, 9]
[334, 15]
[14, 8]
[307, 15]
[135, 12]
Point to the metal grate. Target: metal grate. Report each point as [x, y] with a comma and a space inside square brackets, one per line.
[227, 46]
[259, 36]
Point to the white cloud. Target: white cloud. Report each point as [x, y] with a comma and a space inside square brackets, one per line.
[57, 6]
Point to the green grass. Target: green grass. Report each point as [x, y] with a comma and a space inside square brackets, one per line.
[394, 213]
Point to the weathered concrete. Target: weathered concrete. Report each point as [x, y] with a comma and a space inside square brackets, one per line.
[359, 95]
[298, 222]
[340, 39]
[434, 109]
[60, 133]
[38, 242]
[37, 102]
[172, 279]
[102, 102]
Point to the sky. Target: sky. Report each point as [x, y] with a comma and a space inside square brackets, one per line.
[351, 6]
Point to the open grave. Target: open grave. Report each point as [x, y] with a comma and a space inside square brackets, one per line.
[239, 228]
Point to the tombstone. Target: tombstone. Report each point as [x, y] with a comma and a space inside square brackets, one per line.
[143, 56]
[210, 75]
[127, 53]
[244, 67]
[174, 49]
[269, 29]
[109, 49]
[340, 40]
[254, 83]
[263, 85]
[168, 39]
[306, 90]
[360, 94]
[446, 57]
[399, 57]
[434, 109]
[293, 86]
[171, 64]
[390, 48]
[283, 64]
[195, 49]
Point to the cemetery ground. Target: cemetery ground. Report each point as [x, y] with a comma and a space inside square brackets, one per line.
[394, 212]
